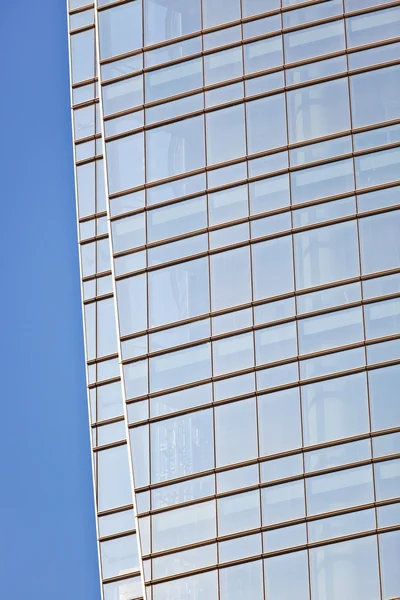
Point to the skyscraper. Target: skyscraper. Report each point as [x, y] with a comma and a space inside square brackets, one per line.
[238, 198]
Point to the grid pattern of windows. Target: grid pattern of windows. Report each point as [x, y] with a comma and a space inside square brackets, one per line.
[246, 222]
[118, 547]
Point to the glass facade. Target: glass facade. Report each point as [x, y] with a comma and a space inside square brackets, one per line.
[238, 199]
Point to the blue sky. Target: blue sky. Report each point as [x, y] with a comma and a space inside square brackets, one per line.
[47, 528]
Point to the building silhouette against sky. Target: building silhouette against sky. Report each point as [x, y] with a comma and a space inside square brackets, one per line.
[238, 198]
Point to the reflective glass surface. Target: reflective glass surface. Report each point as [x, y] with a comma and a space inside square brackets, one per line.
[240, 256]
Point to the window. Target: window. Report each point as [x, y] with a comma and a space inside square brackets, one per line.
[330, 330]
[183, 526]
[182, 446]
[374, 96]
[335, 409]
[163, 21]
[389, 551]
[82, 56]
[216, 12]
[380, 242]
[174, 80]
[223, 65]
[263, 55]
[178, 292]
[233, 422]
[176, 219]
[279, 422]
[276, 343]
[318, 110]
[278, 585]
[230, 278]
[242, 581]
[125, 164]
[119, 556]
[120, 29]
[174, 149]
[128, 233]
[314, 41]
[113, 478]
[345, 571]
[284, 502]
[228, 205]
[266, 123]
[239, 512]
[233, 353]
[383, 387]
[180, 367]
[272, 267]
[123, 95]
[326, 254]
[132, 305]
[225, 134]
[335, 491]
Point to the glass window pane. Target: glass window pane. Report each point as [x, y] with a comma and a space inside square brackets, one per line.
[318, 110]
[122, 96]
[125, 163]
[174, 80]
[249, 545]
[389, 551]
[276, 343]
[230, 278]
[385, 406]
[266, 133]
[382, 318]
[380, 242]
[124, 589]
[233, 354]
[228, 205]
[327, 331]
[255, 7]
[216, 12]
[225, 134]
[180, 367]
[272, 267]
[106, 330]
[82, 56]
[239, 512]
[233, 422]
[279, 421]
[179, 292]
[242, 581]
[177, 219]
[113, 478]
[174, 149]
[162, 22]
[372, 27]
[373, 95]
[280, 586]
[132, 305]
[335, 409]
[128, 232]
[223, 65]
[182, 446]
[326, 254]
[183, 526]
[284, 502]
[335, 491]
[345, 571]
[322, 181]
[120, 29]
[119, 556]
[263, 55]
[314, 41]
